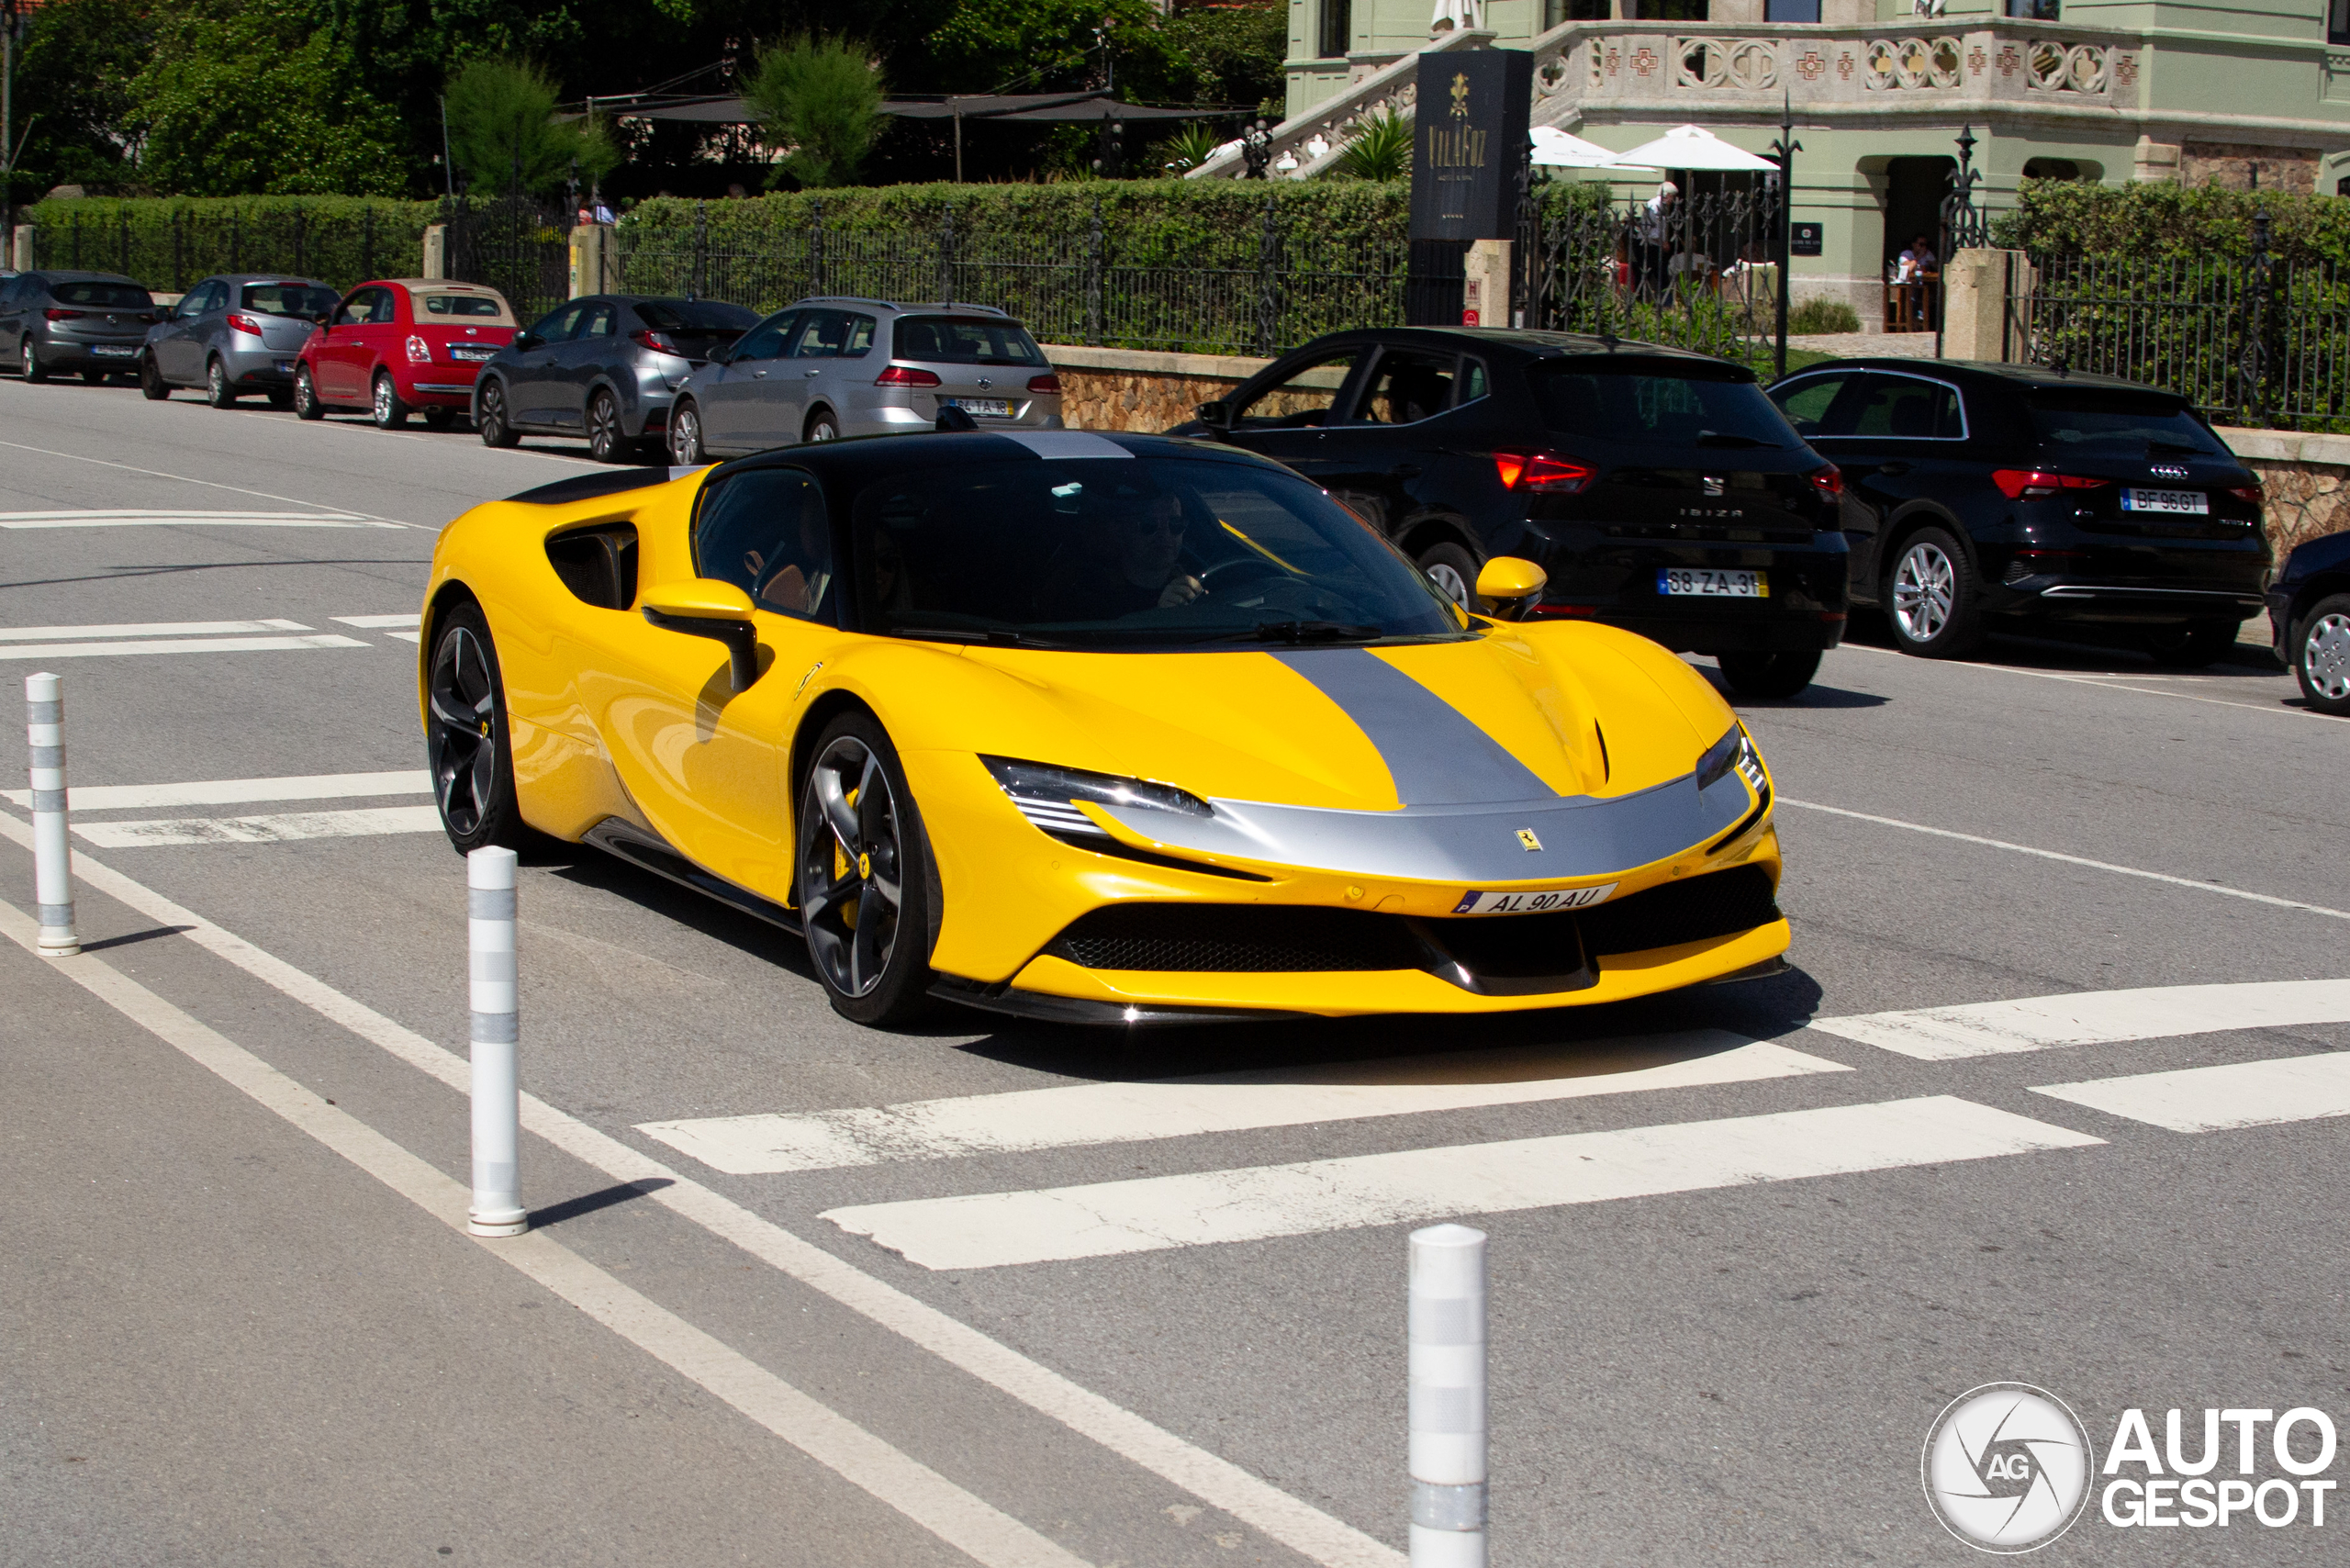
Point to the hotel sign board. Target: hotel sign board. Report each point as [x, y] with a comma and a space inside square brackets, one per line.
[1469, 123]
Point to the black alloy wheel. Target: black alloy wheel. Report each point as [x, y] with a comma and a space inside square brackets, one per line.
[2191, 646]
[28, 362]
[466, 742]
[2320, 653]
[862, 883]
[822, 426]
[150, 379]
[1781, 674]
[496, 428]
[386, 408]
[216, 389]
[685, 436]
[607, 442]
[1930, 600]
[305, 395]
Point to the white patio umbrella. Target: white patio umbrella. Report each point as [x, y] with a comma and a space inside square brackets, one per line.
[1556, 148]
[1694, 147]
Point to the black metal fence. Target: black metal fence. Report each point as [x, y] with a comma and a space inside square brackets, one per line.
[514, 245]
[346, 244]
[1247, 293]
[2250, 341]
[1697, 274]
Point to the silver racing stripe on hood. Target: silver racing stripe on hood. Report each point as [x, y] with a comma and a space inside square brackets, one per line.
[1475, 845]
[1435, 755]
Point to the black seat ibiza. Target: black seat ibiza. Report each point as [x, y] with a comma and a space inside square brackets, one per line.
[1988, 493]
[1659, 489]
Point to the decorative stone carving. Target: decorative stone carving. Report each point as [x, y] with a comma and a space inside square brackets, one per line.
[1975, 60]
[1644, 60]
[2008, 60]
[2061, 67]
[1811, 65]
[1746, 65]
[1912, 63]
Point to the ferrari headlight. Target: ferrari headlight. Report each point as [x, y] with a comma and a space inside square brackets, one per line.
[1735, 749]
[1046, 796]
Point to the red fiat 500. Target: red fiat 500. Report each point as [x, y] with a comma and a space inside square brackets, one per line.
[399, 346]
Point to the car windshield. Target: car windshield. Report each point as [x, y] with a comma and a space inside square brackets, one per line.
[306, 300]
[695, 316]
[2120, 423]
[104, 295]
[964, 339]
[472, 307]
[1656, 403]
[1109, 554]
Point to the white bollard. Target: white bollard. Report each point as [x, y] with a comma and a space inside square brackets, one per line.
[497, 1078]
[1447, 1371]
[52, 866]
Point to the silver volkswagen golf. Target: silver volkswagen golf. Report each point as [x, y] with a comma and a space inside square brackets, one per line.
[828, 367]
[234, 333]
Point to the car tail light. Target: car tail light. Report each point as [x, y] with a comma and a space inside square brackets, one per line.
[1540, 471]
[2252, 493]
[1046, 383]
[657, 342]
[65, 315]
[419, 351]
[905, 376]
[1829, 481]
[2024, 484]
[240, 322]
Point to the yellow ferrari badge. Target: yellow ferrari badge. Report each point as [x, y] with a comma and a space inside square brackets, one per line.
[1527, 840]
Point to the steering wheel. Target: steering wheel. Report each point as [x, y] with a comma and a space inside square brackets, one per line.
[1225, 575]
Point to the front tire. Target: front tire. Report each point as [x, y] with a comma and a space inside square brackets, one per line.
[1453, 571]
[150, 380]
[386, 408]
[217, 390]
[685, 436]
[863, 884]
[1930, 598]
[305, 395]
[1782, 674]
[467, 743]
[607, 441]
[2321, 656]
[496, 428]
[28, 362]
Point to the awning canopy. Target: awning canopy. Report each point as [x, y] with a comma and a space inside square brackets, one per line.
[1555, 149]
[1694, 147]
[1031, 107]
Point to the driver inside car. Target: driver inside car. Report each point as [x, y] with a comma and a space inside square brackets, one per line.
[1130, 553]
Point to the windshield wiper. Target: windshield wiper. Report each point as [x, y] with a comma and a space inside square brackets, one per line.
[1716, 438]
[993, 637]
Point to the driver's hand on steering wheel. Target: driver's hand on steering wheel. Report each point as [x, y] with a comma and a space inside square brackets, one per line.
[1182, 588]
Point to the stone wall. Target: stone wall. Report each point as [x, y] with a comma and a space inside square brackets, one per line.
[2307, 478]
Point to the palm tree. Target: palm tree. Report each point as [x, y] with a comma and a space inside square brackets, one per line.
[1380, 149]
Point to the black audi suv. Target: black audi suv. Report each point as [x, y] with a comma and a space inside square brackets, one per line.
[1659, 489]
[1981, 494]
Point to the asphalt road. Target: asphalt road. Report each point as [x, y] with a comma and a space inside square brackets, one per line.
[244, 1325]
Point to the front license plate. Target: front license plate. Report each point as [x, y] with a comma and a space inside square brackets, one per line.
[998, 406]
[112, 351]
[1548, 901]
[1707, 583]
[2193, 501]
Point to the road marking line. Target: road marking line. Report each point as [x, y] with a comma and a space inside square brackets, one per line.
[145, 629]
[2071, 859]
[379, 622]
[1209, 1477]
[2105, 681]
[1027, 1120]
[281, 828]
[181, 645]
[2233, 1094]
[40, 519]
[2095, 1018]
[975, 1528]
[235, 791]
[1106, 1219]
[417, 637]
[184, 479]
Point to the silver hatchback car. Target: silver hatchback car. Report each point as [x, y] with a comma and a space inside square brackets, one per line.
[828, 367]
[234, 333]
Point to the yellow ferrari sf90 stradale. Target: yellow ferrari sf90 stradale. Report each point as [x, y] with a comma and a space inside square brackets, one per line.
[1095, 728]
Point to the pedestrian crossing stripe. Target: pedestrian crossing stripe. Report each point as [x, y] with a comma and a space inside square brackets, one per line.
[2095, 1017]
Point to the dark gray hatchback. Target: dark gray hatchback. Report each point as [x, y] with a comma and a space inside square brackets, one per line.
[90, 322]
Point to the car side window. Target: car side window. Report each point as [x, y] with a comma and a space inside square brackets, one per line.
[1806, 403]
[766, 339]
[354, 309]
[600, 322]
[1406, 385]
[208, 296]
[555, 326]
[1302, 397]
[823, 334]
[767, 531]
[1909, 408]
[1474, 384]
[860, 337]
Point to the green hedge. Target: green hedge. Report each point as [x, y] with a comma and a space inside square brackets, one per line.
[2152, 220]
[169, 242]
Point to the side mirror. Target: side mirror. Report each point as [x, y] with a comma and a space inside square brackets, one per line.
[1506, 580]
[524, 341]
[722, 354]
[703, 607]
[1216, 415]
[324, 322]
